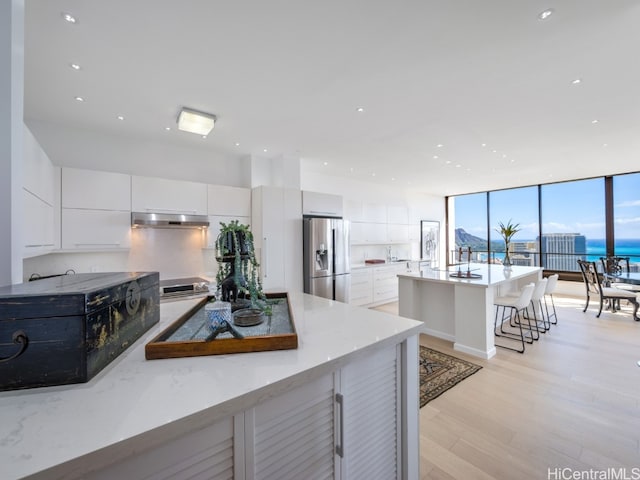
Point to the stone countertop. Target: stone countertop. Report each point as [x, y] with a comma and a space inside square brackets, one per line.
[63, 431]
[490, 274]
[356, 266]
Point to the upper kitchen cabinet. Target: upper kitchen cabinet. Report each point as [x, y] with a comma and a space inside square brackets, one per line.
[39, 172]
[228, 201]
[321, 204]
[353, 210]
[159, 195]
[398, 214]
[95, 190]
[41, 182]
[374, 213]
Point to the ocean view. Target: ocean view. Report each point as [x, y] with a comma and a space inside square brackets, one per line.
[624, 248]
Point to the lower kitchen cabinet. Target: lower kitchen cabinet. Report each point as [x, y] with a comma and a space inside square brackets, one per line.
[95, 229]
[345, 424]
[361, 287]
[385, 282]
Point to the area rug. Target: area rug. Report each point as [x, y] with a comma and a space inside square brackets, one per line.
[439, 372]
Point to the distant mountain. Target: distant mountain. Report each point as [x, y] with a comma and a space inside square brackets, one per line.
[464, 239]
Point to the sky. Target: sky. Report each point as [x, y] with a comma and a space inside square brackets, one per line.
[569, 207]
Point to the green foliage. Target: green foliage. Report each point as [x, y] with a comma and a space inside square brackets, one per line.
[245, 265]
[508, 231]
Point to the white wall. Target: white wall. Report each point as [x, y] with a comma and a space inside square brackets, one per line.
[75, 147]
[172, 252]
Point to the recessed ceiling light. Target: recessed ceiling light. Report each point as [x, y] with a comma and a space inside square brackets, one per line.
[373, 174]
[605, 145]
[69, 18]
[75, 66]
[545, 14]
[237, 144]
[576, 81]
[458, 165]
[447, 162]
[326, 163]
[265, 150]
[393, 179]
[80, 99]
[512, 160]
[439, 145]
[360, 109]
[483, 145]
[494, 151]
[594, 121]
[435, 157]
[120, 117]
[351, 169]
[204, 136]
[167, 128]
[504, 155]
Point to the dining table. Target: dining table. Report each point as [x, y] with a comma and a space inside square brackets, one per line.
[625, 277]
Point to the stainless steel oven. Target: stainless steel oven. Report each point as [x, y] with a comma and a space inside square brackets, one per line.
[180, 288]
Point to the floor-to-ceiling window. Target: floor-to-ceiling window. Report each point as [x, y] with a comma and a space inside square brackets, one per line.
[559, 222]
[520, 207]
[626, 217]
[573, 223]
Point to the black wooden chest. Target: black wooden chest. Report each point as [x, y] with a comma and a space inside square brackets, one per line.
[66, 329]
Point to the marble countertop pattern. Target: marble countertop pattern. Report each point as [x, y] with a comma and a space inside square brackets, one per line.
[135, 404]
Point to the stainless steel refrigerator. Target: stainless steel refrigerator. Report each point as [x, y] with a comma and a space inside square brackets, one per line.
[326, 258]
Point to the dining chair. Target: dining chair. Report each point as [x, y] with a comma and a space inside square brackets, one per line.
[516, 305]
[593, 285]
[552, 283]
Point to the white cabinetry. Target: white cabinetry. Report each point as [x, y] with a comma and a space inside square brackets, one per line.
[228, 201]
[398, 214]
[385, 282]
[321, 204]
[276, 221]
[160, 195]
[39, 198]
[353, 211]
[96, 210]
[397, 233]
[206, 453]
[39, 236]
[374, 213]
[361, 286]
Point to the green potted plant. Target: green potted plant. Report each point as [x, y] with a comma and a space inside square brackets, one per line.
[507, 231]
[238, 274]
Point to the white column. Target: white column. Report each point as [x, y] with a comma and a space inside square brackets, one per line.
[11, 133]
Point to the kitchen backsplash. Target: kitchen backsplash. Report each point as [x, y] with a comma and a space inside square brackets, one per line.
[172, 252]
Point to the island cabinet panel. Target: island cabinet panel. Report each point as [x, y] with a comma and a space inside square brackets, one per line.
[292, 436]
[66, 329]
[160, 195]
[207, 453]
[371, 390]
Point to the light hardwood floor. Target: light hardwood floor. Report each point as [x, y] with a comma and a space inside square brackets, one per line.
[572, 400]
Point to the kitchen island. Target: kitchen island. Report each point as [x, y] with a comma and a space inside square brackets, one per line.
[284, 414]
[461, 309]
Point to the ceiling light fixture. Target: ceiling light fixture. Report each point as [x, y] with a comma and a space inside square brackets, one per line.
[439, 145]
[196, 122]
[594, 121]
[120, 117]
[545, 14]
[326, 163]
[576, 81]
[167, 128]
[80, 99]
[360, 109]
[237, 144]
[75, 66]
[265, 150]
[69, 18]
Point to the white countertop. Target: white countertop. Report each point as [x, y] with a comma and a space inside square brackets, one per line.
[161, 399]
[490, 274]
[355, 266]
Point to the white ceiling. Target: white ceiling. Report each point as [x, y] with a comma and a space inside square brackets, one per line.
[288, 76]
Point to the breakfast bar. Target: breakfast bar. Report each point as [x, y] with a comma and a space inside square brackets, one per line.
[457, 307]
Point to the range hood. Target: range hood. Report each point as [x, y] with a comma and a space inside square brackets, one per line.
[168, 220]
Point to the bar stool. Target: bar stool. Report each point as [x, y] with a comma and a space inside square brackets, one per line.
[552, 283]
[515, 306]
[540, 324]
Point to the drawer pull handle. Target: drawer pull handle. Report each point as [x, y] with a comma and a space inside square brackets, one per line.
[19, 338]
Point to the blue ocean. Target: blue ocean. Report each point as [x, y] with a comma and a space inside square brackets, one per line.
[624, 248]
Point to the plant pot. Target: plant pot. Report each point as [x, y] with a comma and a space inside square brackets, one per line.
[247, 317]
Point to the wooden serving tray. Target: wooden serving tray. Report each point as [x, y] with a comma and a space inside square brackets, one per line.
[186, 336]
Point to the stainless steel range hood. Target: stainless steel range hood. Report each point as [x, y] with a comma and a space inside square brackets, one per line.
[168, 220]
